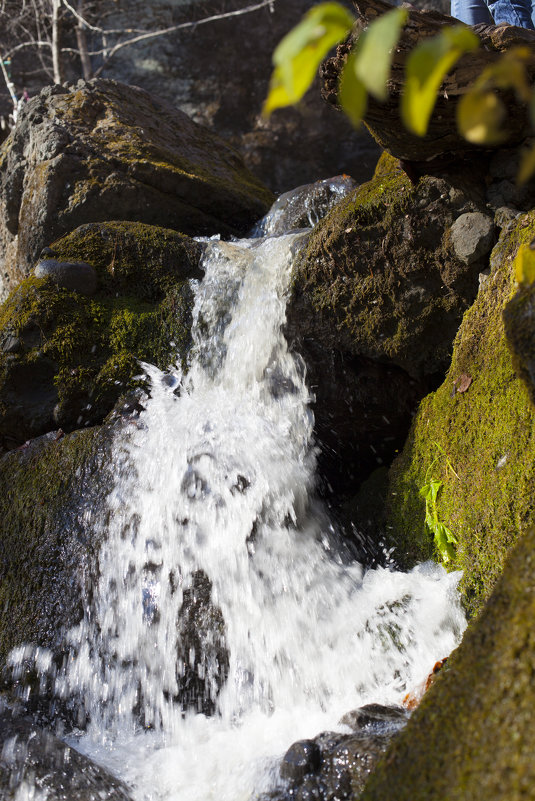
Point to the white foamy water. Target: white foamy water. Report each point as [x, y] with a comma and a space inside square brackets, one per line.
[219, 478]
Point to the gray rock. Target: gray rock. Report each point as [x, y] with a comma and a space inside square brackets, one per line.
[77, 276]
[505, 215]
[301, 758]
[10, 344]
[32, 759]
[376, 718]
[149, 164]
[472, 236]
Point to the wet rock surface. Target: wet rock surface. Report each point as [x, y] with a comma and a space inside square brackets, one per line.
[105, 151]
[51, 500]
[34, 761]
[334, 766]
[304, 206]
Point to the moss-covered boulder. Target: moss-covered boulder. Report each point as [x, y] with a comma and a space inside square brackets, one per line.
[102, 150]
[472, 737]
[65, 358]
[377, 298]
[51, 494]
[380, 277]
[474, 438]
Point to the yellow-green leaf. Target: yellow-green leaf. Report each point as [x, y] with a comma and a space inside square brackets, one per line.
[527, 166]
[480, 115]
[508, 72]
[525, 264]
[427, 65]
[352, 93]
[298, 55]
[374, 51]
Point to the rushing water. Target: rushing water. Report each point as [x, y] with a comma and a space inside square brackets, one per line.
[213, 511]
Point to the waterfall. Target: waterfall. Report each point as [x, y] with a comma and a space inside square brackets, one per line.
[226, 622]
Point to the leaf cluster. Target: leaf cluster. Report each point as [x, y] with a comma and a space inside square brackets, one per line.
[480, 112]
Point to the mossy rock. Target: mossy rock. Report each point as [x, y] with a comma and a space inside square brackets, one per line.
[380, 278]
[472, 737]
[101, 150]
[476, 436]
[66, 358]
[50, 502]
[144, 261]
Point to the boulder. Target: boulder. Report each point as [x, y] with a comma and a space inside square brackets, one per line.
[34, 763]
[475, 437]
[101, 150]
[334, 765]
[219, 74]
[472, 737]
[74, 275]
[377, 298]
[51, 498]
[66, 357]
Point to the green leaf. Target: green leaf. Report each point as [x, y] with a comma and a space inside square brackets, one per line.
[527, 166]
[480, 115]
[374, 51]
[298, 55]
[352, 93]
[524, 264]
[430, 491]
[445, 542]
[427, 65]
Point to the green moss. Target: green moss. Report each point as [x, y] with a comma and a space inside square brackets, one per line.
[133, 258]
[44, 548]
[381, 276]
[479, 443]
[93, 344]
[472, 737]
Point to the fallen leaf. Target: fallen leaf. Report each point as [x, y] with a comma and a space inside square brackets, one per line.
[463, 382]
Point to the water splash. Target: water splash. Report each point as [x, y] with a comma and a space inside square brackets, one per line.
[221, 588]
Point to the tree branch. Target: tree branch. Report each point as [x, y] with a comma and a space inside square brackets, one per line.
[164, 31]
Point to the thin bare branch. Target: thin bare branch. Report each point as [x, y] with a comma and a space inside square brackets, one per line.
[182, 26]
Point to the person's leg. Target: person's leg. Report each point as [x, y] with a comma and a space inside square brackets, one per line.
[512, 12]
[473, 12]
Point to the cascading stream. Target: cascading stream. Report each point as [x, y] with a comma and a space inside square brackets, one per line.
[214, 501]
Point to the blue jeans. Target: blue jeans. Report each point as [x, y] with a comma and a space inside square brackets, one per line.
[513, 12]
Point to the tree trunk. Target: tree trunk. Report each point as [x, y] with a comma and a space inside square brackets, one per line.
[81, 39]
[56, 54]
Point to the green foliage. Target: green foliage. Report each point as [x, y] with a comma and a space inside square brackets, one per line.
[525, 264]
[368, 67]
[300, 53]
[480, 112]
[443, 538]
[427, 66]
